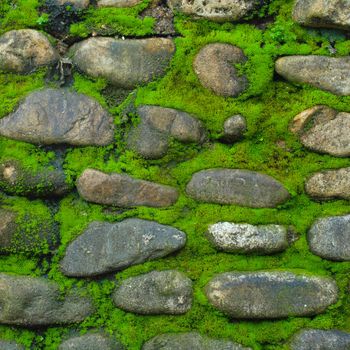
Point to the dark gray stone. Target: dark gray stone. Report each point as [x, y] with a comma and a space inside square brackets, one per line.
[234, 128]
[10, 345]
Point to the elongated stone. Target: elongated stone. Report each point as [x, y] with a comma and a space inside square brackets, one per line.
[91, 341]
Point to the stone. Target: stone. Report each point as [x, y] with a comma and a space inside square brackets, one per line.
[59, 116]
[158, 124]
[323, 13]
[34, 301]
[24, 50]
[329, 238]
[124, 63]
[269, 295]
[325, 73]
[246, 238]
[10, 345]
[329, 184]
[189, 341]
[324, 130]
[234, 128]
[8, 228]
[79, 4]
[238, 187]
[214, 66]
[91, 341]
[124, 191]
[155, 293]
[118, 3]
[105, 247]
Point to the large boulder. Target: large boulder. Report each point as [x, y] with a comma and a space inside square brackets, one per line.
[118, 3]
[10, 345]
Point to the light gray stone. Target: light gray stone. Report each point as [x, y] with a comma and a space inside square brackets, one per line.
[79, 4]
[10, 345]
[118, 3]
[234, 128]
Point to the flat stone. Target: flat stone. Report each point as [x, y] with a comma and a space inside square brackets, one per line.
[59, 116]
[329, 184]
[155, 293]
[31, 301]
[325, 73]
[330, 238]
[124, 191]
[118, 3]
[10, 345]
[235, 186]
[214, 66]
[269, 295]
[125, 63]
[91, 341]
[324, 130]
[24, 50]
[79, 4]
[105, 247]
[234, 128]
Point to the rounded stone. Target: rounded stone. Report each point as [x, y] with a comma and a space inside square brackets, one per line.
[10, 345]
[118, 3]
[234, 128]
[79, 4]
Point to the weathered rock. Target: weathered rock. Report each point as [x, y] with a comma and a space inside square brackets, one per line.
[317, 339]
[91, 341]
[261, 295]
[31, 301]
[151, 137]
[118, 3]
[125, 63]
[214, 67]
[123, 191]
[330, 238]
[325, 73]
[8, 228]
[56, 116]
[323, 129]
[235, 186]
[234, 128]
[79, 4]
[322, 13]
[155, 293]
[189, 341]
[24, 50]
[329, 184]
[105, 247]
[10, 345]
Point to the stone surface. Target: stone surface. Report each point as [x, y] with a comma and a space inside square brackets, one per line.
[8, 228]
[79, 4]
[235, 186]
[32, 301]
[323, 13]
[234, 128]
[125, 63]
[24, 50]
[324, 130]
[268, 295]
[152, 136]
[91, 341]
[124, 191]
[329, 184]
[10, 345]
[214, 66]
[118, 3]
[58, 116]
[330, 238]
[325, 73]
[155, 293]
[189, 341]
[105, 247]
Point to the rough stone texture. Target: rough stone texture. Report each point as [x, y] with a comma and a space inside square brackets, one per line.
[326, 73]
[264, 295]
[31, 301]
[214, 65]
[79, 4]
[10, 345]
[323, 129]
[118, 3]
[189, 341]
[155, 293]
[151, 137]
[58, 116]
[105, 247]
[24, 50]
[235, 186]
[8, 228]
[123, 190]
[329, 184]
[234, 128]
[125, 63]
[330, 238]
[91, 341]
[323, 13]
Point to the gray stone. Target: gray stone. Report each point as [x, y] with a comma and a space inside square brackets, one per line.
[125, 63]
[214, 66]
[317, 339]
[91, 341]
[31, 301]
[10, 345]
[329, 184]
[155, 293]
[158, 124]
[268, 295]
[124, 191]
[24, 50]
[235, 186]
[105, 247]
[8, 228]
[58, 116]
[79, 4]
[325, 73]
[330, 238]
[189, 341]
[234, 128]
[118, 3]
